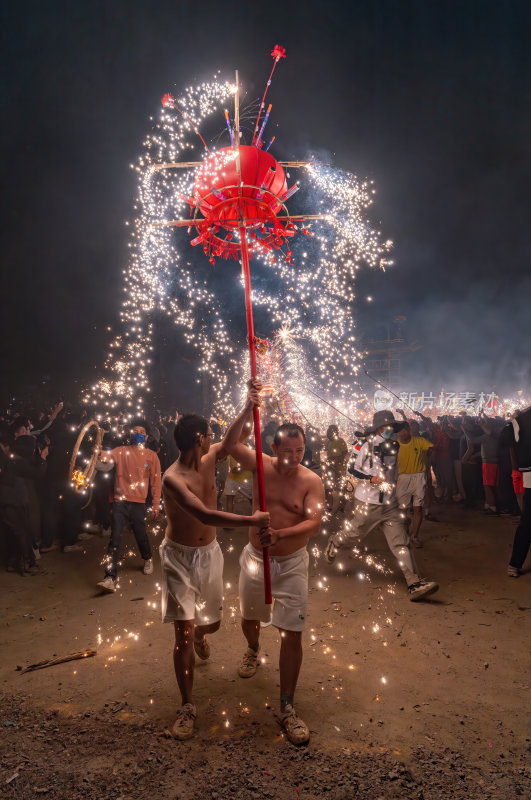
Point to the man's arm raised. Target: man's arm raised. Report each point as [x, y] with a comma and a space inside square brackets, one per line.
[190, 503]
[313, 512]
[231, 442]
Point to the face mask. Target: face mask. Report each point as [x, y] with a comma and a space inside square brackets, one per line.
[387, 433]
[138, 438]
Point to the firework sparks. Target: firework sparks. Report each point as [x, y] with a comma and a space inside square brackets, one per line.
[310, 306]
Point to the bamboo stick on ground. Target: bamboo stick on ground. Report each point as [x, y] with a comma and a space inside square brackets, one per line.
[51, 662]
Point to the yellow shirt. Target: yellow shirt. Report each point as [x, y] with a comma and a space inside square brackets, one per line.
[237, 473]
[412, 457]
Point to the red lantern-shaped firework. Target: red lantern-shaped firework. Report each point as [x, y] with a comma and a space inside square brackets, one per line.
[263, 179]
[238, 185]
[239, 209]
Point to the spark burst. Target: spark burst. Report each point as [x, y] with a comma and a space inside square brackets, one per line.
[313, 284]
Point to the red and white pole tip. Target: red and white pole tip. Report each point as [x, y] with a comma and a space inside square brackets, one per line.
[167, 100]
[278, 52]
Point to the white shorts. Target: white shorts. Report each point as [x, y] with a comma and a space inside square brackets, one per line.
[289, 587]
[192, 582]
[411, 487]
[232, 488]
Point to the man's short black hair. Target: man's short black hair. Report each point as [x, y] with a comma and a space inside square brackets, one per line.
[138, 422]
[187, 430]
[290, 429]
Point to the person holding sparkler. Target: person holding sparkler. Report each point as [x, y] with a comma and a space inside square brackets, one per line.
[137, 468]
[295, 499]
[191, 558]
[375, 467]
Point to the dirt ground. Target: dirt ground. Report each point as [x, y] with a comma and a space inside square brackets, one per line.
[423, 701]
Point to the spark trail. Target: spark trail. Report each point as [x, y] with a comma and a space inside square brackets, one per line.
[308, 290]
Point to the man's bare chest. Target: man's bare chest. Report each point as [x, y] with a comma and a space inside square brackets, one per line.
[202, 484]
[285, 493]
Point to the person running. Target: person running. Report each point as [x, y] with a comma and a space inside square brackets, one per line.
[295, 499]
[137, 468]
[191, 558]
[376, 503]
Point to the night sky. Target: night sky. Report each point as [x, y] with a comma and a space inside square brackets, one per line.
[431, 100]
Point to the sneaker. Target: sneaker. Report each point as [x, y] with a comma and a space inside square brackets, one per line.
[422, 589]
[296, 730]
[148, 566]
[108, 584]
[202, 648]
[35, 569]
[184, 724]
[491, 512]
[72, 548]
[513, 572]
[49, 548]
[331, 551]
[84, 537]
[249, 663]
[91, 527]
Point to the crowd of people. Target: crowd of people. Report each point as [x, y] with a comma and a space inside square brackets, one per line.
[389, 478]
[40, 509]
[467, 460]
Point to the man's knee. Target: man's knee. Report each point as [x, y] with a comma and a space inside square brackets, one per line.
[184, 633]
[290, 638]
[396, 533]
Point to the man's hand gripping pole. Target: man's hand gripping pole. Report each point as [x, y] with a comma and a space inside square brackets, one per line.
[256, 411]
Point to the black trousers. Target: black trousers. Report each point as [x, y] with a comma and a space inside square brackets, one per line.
[15, 525]
[123, 513]
[522, 535]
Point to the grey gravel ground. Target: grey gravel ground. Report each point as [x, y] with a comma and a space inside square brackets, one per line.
[422, 701]
[97, 756]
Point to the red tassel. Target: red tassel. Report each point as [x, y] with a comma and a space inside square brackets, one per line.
[278, 52]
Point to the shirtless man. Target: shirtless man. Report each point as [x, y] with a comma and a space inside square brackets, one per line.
[295, 500]
[192, 562]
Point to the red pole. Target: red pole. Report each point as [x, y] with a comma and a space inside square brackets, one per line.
[256, 410]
